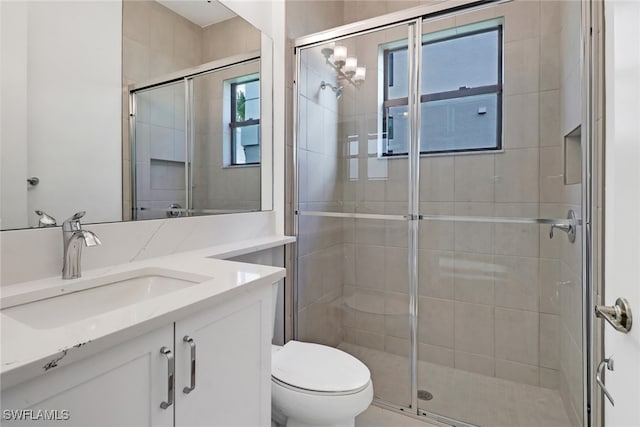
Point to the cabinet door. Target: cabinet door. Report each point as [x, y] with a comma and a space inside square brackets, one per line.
[123, 386]
[233, 358]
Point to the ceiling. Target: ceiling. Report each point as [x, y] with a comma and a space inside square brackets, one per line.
[200, 12]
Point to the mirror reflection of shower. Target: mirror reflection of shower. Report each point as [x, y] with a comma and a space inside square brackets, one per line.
[338, 90]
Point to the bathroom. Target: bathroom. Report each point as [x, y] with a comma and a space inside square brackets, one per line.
[447, 264]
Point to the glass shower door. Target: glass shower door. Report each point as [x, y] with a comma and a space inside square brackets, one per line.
[494, 347]
[353, 241]
[224, 174]
[159, 148]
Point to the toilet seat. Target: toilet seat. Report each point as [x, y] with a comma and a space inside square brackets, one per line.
[318, 369]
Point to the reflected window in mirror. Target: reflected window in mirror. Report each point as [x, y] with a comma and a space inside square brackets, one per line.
[244, 124]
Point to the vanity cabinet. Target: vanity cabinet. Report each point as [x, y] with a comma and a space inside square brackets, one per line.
[122, 386]
[126, 385]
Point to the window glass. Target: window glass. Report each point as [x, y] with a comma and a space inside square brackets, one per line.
[245, 122]
[466, 123]
[397, 73]
[461, 93]
[468, 61]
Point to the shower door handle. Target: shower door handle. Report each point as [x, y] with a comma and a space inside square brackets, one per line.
[618, 315]
[608, 363]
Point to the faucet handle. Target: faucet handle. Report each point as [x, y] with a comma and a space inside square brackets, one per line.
[73, 223]
[45, 220]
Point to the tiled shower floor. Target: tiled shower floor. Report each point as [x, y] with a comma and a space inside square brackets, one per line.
[465, 396]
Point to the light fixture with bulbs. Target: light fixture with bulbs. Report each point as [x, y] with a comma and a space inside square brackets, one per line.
[346, 67]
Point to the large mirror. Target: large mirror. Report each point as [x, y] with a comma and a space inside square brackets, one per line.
[131, 110]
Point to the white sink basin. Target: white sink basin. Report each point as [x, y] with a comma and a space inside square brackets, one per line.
[101, 295]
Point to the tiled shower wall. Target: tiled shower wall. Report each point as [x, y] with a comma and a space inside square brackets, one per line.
[216, 184]
[320, 244]
[156, 42]
[489, 294]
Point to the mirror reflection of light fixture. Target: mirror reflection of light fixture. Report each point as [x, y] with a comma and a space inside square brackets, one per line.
[346, 67]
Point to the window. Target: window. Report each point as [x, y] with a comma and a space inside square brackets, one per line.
[461, 92]
[245, 122]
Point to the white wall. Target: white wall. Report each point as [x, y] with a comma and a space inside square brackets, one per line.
[13, 117]
[59, 80]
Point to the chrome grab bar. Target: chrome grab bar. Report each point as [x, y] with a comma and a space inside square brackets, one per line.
[609, 364]
[170, 377]
[192, 344]
[618, 315]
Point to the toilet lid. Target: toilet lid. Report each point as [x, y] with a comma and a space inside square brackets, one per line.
[318, 368]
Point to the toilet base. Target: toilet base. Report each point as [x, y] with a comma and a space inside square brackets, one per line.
[296, 423]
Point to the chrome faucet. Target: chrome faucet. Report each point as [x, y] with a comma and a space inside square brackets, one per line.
[74, 237]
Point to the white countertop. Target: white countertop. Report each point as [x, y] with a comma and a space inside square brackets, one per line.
[27, 352]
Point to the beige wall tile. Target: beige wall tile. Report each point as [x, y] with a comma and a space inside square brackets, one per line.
[474, 363]
[436, 273]
[517, 336]
[516, 282]
[549, 378]
[474, 236]
[370, 267]
[521, 121]
[521, 66]
[473, 178]
[518, 176]
[437, 179]
[550, 109]
[396, 311]
[521, 19]
[434, 354]
[549, 341]
[549, 285]
[436, 322]
[473, 278]
[399, 346]
[550, 62]
[474, 328]
[437, 235]
[517, 239]
[518, 372]
[397, 269]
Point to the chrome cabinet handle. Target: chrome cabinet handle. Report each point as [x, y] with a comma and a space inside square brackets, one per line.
[618, 315]
[171, 377]
[609, 364]
[192, 344]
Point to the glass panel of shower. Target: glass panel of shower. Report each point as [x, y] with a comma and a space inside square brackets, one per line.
[196, 143]
[496, 347]
[159, 151]
[225, 172]
[353, 241]
[497, 335]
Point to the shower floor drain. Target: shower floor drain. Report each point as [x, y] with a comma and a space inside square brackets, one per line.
[424, 395]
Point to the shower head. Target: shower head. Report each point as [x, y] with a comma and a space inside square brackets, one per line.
[338, 90]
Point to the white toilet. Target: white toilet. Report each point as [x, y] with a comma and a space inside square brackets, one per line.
[316, 385]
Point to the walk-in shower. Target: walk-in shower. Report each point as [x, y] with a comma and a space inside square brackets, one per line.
[425, 197]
